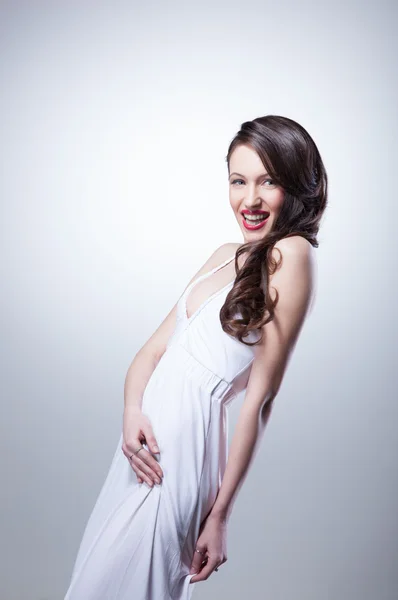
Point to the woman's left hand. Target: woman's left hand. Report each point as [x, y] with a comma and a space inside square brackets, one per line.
[212, 542]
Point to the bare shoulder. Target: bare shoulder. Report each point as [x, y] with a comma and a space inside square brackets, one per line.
[295, 280]
[221, 253]
[228, 249]
[296, 246]
[298, 254]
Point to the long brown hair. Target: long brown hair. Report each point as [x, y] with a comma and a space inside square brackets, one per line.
[292, 159]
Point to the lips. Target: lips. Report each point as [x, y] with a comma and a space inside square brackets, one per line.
[254, 224]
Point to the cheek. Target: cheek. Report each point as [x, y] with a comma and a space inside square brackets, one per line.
[234, 201]
[275, 202]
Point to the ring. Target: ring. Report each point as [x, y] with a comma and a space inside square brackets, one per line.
[136, 451]
[216, 569]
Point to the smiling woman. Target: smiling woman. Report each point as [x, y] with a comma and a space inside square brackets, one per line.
[275, 169]
[252, 219]
[232, 329]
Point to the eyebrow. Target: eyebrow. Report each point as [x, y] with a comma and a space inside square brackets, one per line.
[239, 175]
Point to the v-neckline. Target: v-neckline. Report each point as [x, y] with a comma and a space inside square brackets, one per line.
[211, 297]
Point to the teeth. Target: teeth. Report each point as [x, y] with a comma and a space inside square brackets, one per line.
[255, 217]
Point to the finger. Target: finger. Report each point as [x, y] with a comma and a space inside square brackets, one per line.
[150, 439]
[197, 560]
[206, 571]
[142, 466]
[143, 477]
[146, 457]
[146, 462]
[135, 450]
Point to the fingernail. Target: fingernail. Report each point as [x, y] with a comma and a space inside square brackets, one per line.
[156, 448]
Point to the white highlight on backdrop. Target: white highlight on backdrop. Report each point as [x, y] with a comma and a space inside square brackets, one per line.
[115, 121]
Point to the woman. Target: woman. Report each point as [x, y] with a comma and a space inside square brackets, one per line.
[160, 522]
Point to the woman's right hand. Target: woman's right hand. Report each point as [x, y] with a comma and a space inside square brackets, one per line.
[137, 429]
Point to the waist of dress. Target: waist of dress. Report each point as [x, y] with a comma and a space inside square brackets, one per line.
[190, 366]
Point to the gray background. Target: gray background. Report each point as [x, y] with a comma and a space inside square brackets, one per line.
[115, 121]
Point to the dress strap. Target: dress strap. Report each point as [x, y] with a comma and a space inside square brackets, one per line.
[184, 296]
[208, 273]
[228, 260]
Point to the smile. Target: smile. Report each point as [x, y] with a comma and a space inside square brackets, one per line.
[254, 221]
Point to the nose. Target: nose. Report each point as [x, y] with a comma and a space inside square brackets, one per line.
[252, 198]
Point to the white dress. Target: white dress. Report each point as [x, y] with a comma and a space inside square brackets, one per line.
[139, 540]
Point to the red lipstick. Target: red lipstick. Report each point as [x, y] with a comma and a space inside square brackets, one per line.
[253, 225]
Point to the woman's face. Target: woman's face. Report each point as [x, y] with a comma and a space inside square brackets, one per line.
[252, 192]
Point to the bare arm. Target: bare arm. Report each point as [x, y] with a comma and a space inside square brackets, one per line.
[295, 284]
[137, 425]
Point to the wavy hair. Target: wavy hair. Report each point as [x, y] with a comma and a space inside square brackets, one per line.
[292, 159]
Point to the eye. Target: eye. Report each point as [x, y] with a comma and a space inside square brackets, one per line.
[271, 181]
[235, 181]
